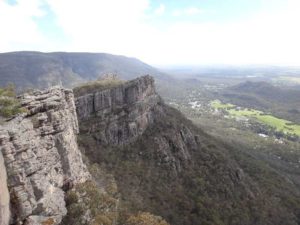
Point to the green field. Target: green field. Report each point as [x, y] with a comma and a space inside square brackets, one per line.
[219, 105]
[281, 125]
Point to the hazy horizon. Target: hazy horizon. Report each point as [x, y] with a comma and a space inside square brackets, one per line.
[173, 66]
[158, 32]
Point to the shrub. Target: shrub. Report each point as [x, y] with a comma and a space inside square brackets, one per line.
[97, 85]
[145, 218]
[87, 204]
[9, 104]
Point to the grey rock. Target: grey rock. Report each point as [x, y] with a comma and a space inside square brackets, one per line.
[42, 157]
[4, 194]
[175, 149]
[118, 115]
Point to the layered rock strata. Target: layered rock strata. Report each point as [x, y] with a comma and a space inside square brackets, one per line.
[118, 115]
[41, 156]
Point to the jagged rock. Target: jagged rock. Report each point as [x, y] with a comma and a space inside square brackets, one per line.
[4, 194]
[174, 150]
[42, 157]
[118, 115]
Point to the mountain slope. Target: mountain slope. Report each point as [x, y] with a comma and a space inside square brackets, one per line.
[268, 92]
[165, 165]
[285, 103]
[40, 70]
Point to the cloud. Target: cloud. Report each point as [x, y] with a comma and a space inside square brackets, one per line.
[160, 10]
[193, 11]
[18, 28]
[190, 11]
[128, 28]
[98, 25]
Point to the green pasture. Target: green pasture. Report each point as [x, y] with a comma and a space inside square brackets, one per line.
[282, 125]
[219, 105]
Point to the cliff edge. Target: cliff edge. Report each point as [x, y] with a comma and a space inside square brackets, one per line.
[120, 114]
[4, 196]
[41, 156]
[165, 165]
[144, 155]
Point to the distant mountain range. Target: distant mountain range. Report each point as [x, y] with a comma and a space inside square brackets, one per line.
[39, 70]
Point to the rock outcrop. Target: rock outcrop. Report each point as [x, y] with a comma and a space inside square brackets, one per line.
[118, 115]
[159, 160]
[4, 194]
[41, 156]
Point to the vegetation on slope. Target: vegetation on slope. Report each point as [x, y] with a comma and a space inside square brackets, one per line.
[278, 151]
[9, 104]
[86, 204]
[281, 102]
[42, 70]
[218, 184]
[219, 105]
[97, 202]
[145, 219]
[110, 81]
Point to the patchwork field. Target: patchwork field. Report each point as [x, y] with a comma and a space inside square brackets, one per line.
[281, 125]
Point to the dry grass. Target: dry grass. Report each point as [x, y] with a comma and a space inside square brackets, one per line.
[97, 85]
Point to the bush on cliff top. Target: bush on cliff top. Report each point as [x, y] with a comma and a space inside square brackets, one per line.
[97, 85]
[9, 104]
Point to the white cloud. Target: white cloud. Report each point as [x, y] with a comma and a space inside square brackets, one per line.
[99, 25]
[190, 11]
[268, 37]
[160, 10]
[124, 27]
[18, 28]
[177, 12]
[193, 11]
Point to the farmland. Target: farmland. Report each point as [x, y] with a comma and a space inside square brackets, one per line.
[281, 125]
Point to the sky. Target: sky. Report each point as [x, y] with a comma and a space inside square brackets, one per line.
[159, 32]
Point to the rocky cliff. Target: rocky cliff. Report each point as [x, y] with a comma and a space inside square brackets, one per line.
[144, 157]
[42, 157]
[120, 114]
[165, 165]
[4, 195]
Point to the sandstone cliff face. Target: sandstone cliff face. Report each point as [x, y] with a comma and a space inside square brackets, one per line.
[160, 160]
[118, 115]
[4, 195]
[42, 157]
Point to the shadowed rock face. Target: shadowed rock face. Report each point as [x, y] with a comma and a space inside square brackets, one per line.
[42, 157]
[4, 195]
[120, 114]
